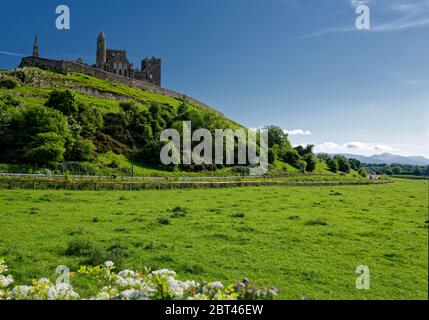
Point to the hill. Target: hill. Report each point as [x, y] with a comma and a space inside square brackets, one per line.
[387, 158]
[80, 124]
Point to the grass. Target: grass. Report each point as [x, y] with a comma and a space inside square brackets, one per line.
[307, 241]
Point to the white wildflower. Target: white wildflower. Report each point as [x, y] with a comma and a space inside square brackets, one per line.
[126, 273]
[5, 281]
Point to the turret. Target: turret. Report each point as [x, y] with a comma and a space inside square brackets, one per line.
[36, 47]
[101, 51]
[151, 69]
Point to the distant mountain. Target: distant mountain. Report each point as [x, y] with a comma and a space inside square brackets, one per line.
[387, 158]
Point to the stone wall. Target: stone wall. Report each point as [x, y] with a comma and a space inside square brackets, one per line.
[68, 66]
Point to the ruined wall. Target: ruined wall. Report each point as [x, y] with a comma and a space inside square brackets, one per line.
[68, 66]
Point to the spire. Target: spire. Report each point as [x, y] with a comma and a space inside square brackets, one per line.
[36, 47]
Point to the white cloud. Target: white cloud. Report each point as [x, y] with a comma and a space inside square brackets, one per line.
[357, 3]
[297, 132]
[354, 147]
[414, 14]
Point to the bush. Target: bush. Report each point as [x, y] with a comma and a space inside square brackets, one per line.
[114, 164]
[82, 150]
[179, 212]
[48, 148]
[132, 285]
[63, 101]
[272, 156]
[163, 220]
[332, 165]
[9, 83]
[311, 161]
[343, 163]
[363, 172]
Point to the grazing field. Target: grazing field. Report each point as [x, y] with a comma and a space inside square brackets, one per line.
[307, 241]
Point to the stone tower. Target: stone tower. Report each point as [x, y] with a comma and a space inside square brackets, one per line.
[101, 51]
[36, 47]
[151, 68]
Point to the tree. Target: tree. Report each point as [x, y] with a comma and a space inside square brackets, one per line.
[311, 162]
[63, 101]
[301, 165]
[89, 118]
[363, 172]
[276, 136]
[81, 150]
[343, 164]
[271, 156]
[289, 155]
[355, 164]
[304, 151]
[47, 148]
[332, 165]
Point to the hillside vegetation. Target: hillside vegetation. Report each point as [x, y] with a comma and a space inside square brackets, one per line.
[79, 124]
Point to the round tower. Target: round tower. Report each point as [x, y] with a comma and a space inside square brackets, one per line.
[101, 51]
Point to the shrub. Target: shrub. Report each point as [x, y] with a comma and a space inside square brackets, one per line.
[163, 220]
[272, 156]
[317, 222]
[311, 161]
[63, 101]
[78, 247]
[47, 148]
[82, 150]
[343, 164]
[332, 165]
[114, 164]
[9, 83]
[238, 215]
[133, 285]
[179, 212]
[363, 172]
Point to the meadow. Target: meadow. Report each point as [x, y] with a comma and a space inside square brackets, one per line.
[306, 241]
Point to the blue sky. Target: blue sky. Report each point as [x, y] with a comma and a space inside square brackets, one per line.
[300, 65]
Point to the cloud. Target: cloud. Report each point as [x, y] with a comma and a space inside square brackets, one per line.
[357, 3]
[354, 147]
[396, 16]
[12, 54]
[297, 132]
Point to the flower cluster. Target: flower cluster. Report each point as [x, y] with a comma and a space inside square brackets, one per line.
[132, 285]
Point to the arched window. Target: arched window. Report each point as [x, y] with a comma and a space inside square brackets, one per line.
[120, 72]
[125, 73]
[114, 71]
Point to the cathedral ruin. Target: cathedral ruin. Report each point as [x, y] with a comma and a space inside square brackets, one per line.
[115, 61]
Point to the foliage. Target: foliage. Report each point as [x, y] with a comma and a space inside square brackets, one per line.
[8, 83]
[311, 162]
[131, 285]
[332, 165]
[343, 163]
[63, 101]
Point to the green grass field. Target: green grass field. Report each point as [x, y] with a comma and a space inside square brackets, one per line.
[307, 241]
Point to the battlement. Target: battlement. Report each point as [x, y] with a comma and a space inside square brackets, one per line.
[64, 66]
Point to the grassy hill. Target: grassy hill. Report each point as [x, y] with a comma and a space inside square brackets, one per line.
[113, 154]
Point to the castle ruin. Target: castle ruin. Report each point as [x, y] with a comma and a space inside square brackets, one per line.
[115, 61]
[112, 65]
